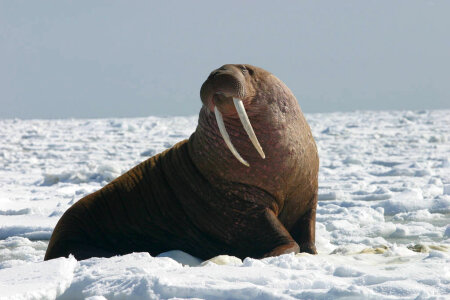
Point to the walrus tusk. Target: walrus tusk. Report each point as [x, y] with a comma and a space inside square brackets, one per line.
[226, 137]
[247, 126]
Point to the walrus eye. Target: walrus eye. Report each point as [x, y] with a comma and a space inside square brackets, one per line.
[243, 69]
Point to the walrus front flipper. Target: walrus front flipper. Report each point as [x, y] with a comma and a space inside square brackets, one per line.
[277, 240]
[304, 230]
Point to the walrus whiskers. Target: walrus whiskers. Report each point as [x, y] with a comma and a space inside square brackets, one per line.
[226, 137]
[247, 125]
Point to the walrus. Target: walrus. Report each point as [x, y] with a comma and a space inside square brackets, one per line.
[244, 184]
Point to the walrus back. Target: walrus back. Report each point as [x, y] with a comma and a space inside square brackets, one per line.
[117, 218]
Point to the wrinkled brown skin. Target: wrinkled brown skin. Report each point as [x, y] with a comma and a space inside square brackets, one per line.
[197, 197]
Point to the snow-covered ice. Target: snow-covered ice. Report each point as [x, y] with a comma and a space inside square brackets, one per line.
[382, 221]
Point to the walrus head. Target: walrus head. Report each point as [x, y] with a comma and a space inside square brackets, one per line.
[272, 145]
[225, 92]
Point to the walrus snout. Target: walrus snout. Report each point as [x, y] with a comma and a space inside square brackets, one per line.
[223, 89]
[227, 81]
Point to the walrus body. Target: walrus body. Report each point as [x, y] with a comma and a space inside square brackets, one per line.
[197, 197]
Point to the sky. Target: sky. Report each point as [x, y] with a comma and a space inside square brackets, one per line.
[97, 59]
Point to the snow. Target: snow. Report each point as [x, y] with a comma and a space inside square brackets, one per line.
[382, 221]
[28, 281]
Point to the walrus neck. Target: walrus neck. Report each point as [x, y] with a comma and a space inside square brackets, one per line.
[214, 160]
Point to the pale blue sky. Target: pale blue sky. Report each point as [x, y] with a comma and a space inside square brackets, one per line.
[61, 59]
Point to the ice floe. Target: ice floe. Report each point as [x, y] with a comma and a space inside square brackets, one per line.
[382, 221]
